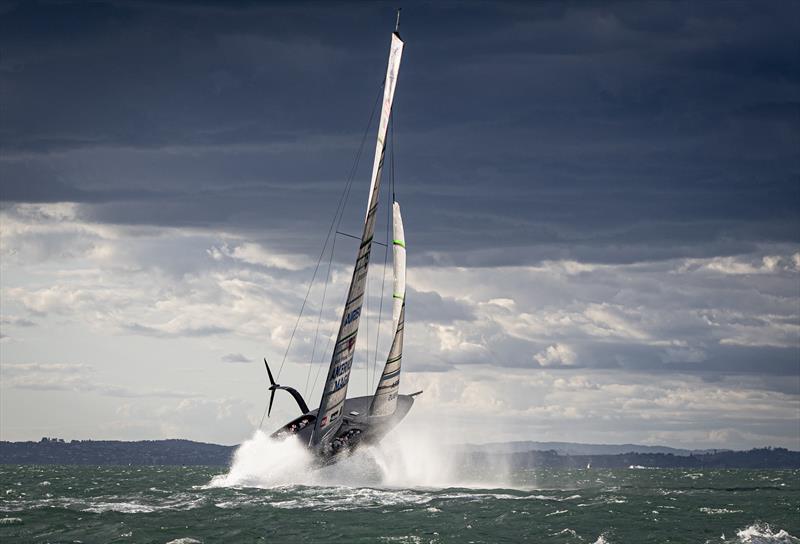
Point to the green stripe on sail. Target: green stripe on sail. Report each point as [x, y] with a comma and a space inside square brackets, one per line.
[395, 295]
[399, 243]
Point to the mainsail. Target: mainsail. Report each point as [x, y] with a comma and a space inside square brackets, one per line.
[329, 416]
[384, 402]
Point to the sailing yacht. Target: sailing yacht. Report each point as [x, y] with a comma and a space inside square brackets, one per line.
[341, 424]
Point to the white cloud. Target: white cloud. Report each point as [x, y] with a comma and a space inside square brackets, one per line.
[75, 378]
[456, 347]
[12, 369]
[191, 418]
[556, 355]
[603, 406]
[767, 264]
[178, 294]
[251, 253]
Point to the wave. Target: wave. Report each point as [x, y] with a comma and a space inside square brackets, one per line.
[761, 533]
[603, 539]
[121, 507]
[714, 511]
[135, 504]
[341, 498]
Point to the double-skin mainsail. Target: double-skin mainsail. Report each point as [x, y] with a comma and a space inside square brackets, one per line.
[330, 414]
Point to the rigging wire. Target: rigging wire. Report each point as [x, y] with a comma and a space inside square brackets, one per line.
[389, 212]
[311, 283]
[366, 332]
[319, 318]
[391, 157]
[337, 219]
[338, 224]
[320, 365]
[341, 205]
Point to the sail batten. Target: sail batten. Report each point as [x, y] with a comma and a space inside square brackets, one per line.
[329, 416]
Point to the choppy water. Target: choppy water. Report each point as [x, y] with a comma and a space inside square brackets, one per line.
[198, 504]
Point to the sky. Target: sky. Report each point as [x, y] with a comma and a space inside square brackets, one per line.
[601, 207]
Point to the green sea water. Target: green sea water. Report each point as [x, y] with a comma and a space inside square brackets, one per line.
[182, 505]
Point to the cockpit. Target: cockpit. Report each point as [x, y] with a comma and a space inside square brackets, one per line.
[295, 426]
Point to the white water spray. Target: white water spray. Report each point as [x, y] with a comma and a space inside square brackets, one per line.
[405, 459]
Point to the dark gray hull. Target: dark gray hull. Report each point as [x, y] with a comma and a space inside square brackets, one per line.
[358, 428]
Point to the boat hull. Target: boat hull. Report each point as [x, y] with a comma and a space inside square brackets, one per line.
[358, 428]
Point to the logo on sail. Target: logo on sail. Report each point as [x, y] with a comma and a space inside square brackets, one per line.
[352, 316]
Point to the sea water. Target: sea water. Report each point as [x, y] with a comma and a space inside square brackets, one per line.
[407, 490]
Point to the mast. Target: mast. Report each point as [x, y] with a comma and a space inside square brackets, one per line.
[329, 416]
[384, 402]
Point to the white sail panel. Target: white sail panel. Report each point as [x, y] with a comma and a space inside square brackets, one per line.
[395, 54]
[329, 416]
[384, 402]
[399, 269]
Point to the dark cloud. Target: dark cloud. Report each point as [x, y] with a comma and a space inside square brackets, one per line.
[432, 307]
[16, 321]
[601, 132]
[235, 358]
[590, 190]
[144, 330]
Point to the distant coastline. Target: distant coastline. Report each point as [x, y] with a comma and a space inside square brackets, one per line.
[519, 455]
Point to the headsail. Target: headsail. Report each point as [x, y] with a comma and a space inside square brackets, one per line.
[329, 416]
[384, 402]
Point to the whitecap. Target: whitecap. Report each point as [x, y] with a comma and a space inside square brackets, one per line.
[567, 531]
[713, 511]
[10, 521]
[602, 539]
[122, 507]
[344, 498]
[762, 533]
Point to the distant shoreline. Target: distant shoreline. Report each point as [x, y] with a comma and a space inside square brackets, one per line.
[520, 455]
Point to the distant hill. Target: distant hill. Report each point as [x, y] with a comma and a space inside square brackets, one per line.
[519, 455]
[761, 458]
[114, 452]
[572, 448]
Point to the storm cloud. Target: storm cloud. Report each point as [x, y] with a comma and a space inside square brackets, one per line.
[601, 203]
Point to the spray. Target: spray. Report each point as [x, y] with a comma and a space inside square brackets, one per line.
[407, 458]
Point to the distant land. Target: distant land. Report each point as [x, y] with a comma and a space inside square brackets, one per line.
[55, 451]
[518, 455]
[573, 448]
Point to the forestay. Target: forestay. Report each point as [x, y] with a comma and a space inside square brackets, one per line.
[329, 417]
[384, 402]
